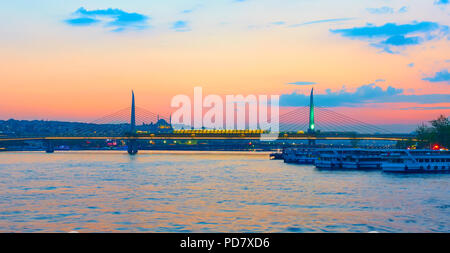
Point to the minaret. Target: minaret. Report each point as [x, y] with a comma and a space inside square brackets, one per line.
[311, 112]
[133, 114]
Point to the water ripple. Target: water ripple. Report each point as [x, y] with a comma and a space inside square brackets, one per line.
[103, 192]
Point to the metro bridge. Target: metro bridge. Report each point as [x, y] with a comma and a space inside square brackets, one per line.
[207, 137]
[304, 123]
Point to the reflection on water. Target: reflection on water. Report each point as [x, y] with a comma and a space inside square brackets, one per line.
[214, 192]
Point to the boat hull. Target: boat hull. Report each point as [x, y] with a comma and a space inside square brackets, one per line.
[348, 165]
[416, 168]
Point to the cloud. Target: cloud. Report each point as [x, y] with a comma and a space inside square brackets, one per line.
[381, 10]
[81, 21]
[369, 93]
[427, 108]
[321, 21]
[128, 19]
[442, 2]
[278, 23]
[181, 26]
[118, 19]
[194, 8]
[400, 40]
[303, 83]
[269, 25]
[391, 35]
[386, 10]
[100, 12]
[403, 9]
[441, 76]
[283, 23]
[389, 29]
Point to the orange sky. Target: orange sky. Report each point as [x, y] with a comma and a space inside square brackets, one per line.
[51, 70]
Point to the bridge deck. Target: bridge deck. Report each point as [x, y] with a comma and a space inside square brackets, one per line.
[375, 138]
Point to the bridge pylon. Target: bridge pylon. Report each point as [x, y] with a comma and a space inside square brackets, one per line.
[312, 127]
[49, 147]
[132, 147]
[132, 143]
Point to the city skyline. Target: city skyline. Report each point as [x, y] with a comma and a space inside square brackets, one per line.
[385, 62]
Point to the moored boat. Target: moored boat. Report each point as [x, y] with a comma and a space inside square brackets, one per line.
[276, 156]
[416, 161]
[349, 158]
[300, 155]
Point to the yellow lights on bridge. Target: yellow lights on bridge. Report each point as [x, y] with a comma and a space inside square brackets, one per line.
[179, 137]
[220, 131]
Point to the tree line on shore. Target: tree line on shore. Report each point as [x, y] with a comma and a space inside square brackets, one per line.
[436, 134]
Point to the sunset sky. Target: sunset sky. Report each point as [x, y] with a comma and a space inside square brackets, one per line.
[381, 61]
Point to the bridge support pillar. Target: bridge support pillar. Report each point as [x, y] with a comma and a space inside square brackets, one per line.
[49, 147]
[132, 147]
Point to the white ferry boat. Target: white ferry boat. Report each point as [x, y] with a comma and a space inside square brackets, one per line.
[349, 158]
[300, 155]
[416, 161]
